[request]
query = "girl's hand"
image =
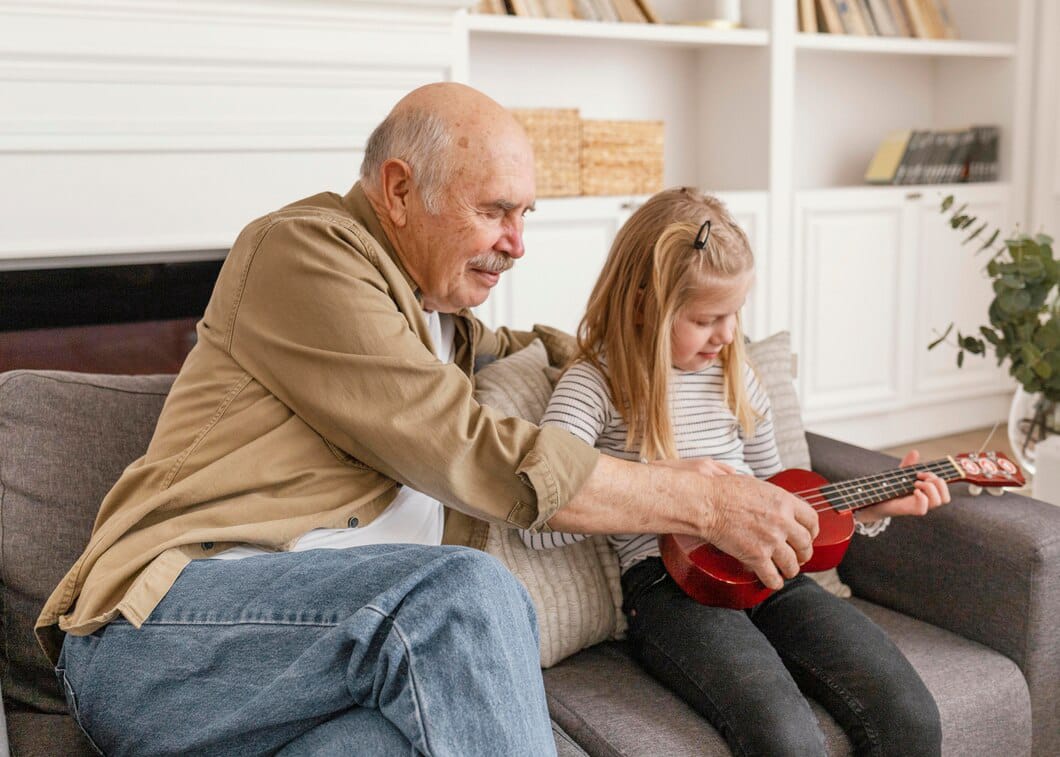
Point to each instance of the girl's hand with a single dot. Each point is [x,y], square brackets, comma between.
[704,466]
[931,492]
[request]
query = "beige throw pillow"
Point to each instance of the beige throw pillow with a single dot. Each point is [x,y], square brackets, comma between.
[774,364]
[575,589]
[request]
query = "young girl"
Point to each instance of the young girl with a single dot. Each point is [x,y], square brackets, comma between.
[661,376]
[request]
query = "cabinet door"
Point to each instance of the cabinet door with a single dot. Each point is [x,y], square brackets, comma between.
[952,287]
[853,304]
[567,241]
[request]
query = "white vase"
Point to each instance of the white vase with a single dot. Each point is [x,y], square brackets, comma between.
[1030,419]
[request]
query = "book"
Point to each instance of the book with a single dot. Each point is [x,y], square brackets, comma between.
[912,169]
[830,15]
[959,161]
[866,18]
[901,21]
[983,160]
[629,12]
[851,18]
[605,10]
[918,22]
[949,26]
[585,10]
[559,8]
[649,11]
[807,16]
[494,7]
[883,168]
[931,14]
[881,15]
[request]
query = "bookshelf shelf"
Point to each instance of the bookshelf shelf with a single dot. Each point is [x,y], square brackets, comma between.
[844,43]
[671,35]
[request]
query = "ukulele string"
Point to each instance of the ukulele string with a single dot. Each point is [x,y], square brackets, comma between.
[857,490]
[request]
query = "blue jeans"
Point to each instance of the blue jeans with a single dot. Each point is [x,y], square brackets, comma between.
[384,649]
[749,671]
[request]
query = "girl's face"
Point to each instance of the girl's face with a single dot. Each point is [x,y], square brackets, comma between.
[708,322]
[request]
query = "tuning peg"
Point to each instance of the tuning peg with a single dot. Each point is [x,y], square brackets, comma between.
[997,491]
[975,490]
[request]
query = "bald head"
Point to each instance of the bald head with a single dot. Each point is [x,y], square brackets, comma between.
[441,131]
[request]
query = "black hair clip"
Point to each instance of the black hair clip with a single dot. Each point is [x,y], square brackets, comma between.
[701,238]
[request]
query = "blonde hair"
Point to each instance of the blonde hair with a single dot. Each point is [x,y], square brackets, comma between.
[653,271]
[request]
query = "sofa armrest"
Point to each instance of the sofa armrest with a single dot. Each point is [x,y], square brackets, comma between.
[986,568]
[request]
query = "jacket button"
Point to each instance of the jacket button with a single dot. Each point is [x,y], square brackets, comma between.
[207,545]
[352,522]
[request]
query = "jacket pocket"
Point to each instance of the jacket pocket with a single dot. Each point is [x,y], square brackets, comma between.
[345,457]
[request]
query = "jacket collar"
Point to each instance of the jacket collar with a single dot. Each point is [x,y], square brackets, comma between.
[356,202]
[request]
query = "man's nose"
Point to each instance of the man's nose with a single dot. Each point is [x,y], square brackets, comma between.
[511,242]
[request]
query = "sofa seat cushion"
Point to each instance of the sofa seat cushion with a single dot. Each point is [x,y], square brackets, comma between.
[610,706]
[64,440]
[36,735]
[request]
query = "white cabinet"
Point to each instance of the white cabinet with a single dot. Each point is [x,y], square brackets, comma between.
[878,272]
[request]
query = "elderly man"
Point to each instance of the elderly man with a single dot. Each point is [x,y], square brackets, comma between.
[270,575]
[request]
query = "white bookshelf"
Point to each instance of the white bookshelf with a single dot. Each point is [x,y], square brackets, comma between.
[791,119]
[674,35]
[935,48]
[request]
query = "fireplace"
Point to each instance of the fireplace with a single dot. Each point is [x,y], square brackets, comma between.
[129,318]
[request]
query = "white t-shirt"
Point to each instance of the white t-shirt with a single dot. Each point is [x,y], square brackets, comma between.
[412,518]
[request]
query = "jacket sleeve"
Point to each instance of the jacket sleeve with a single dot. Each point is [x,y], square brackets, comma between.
[317,323]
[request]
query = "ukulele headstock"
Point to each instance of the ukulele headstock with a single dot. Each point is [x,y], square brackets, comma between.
[988,469]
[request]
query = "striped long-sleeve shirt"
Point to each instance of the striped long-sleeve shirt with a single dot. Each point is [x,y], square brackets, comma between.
[703,426]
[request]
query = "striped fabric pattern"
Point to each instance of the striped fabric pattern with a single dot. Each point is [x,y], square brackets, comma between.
[703,427]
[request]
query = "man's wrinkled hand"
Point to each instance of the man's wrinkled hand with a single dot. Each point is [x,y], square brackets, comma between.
[768,529]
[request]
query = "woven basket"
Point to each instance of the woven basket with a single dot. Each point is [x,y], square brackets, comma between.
[555,134]
[621,157]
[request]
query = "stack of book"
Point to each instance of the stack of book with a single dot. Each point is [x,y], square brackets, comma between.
[634,11]
[928,19]
[945,156]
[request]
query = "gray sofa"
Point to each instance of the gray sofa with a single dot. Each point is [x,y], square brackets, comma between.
[970,593]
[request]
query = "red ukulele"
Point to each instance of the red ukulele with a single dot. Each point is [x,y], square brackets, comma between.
[714,578]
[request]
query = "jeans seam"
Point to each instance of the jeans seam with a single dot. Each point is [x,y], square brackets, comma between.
[314,624]
[704,692]
[852,703]
[403,638]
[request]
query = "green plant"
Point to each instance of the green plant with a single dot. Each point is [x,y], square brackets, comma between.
[1024,316]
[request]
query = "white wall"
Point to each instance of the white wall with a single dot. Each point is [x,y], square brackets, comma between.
[157,125]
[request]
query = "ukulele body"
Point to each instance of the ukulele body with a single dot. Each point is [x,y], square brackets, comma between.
[714,578]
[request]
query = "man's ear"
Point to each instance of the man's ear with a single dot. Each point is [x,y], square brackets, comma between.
[396,183]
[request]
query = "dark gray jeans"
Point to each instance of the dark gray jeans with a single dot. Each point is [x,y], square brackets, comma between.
[749,671]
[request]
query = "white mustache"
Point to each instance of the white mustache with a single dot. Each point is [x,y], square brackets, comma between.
[497,263]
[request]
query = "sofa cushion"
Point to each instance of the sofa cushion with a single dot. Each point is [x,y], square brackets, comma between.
[575,590]
[610,706]
[64,440]
[36,735]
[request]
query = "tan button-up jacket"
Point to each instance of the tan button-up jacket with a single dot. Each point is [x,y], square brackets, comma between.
[312,393]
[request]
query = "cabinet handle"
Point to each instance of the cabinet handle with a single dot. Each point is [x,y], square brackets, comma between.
[913,195]
[630,205]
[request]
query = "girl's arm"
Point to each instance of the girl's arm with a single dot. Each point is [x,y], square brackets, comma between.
[580,405]
[760,450]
